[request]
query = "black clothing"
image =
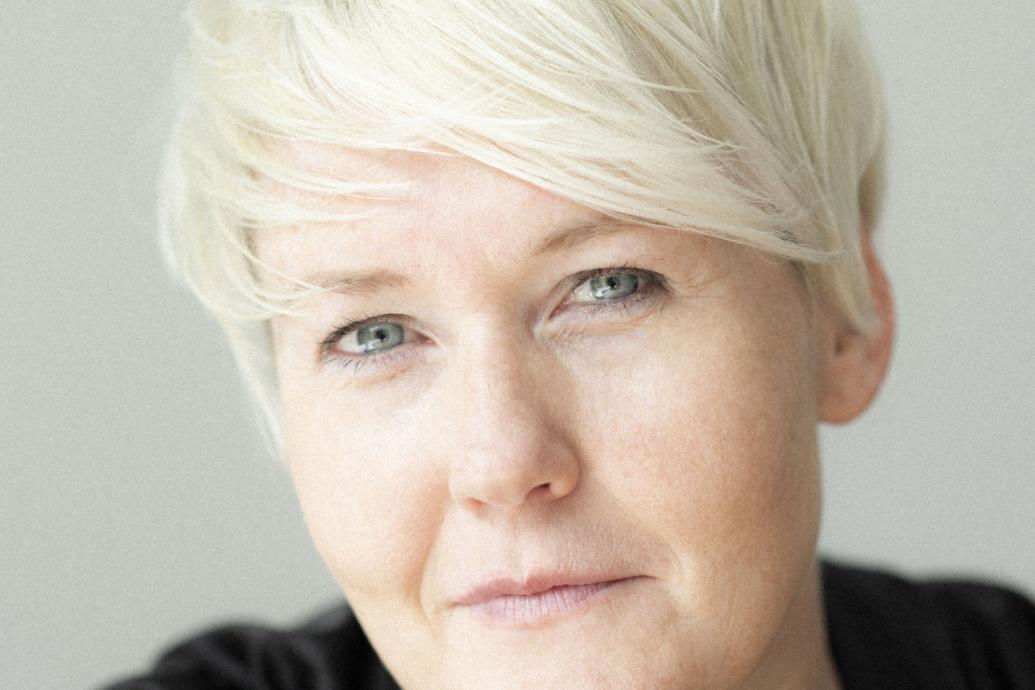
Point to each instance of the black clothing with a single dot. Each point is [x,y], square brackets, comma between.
[884,632]
[888,632]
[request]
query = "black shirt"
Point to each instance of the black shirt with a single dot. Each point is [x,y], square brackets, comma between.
[884,632]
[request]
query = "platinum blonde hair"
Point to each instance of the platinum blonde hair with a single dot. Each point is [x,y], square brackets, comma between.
[756,121]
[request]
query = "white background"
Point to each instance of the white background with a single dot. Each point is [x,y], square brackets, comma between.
[136,505]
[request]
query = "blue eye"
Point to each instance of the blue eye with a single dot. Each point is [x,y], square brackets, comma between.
[367,338]
[609,286]
[378,339]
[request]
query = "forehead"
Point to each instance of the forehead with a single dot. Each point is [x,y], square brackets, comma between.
[439,203]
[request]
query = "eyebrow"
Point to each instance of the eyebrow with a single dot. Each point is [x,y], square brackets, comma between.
[363,283]
[358,283]
[570,236]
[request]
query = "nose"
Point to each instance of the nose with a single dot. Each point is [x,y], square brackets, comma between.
[513,450]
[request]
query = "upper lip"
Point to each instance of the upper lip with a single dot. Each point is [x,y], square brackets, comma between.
[537,583]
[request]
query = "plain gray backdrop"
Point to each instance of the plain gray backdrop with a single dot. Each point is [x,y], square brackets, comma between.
[137,505]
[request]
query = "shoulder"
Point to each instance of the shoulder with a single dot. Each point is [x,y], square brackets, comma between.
[329,652]
[888,631]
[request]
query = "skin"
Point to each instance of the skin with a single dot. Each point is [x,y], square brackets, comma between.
[522,427]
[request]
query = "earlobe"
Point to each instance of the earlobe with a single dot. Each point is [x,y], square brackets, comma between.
[855,363]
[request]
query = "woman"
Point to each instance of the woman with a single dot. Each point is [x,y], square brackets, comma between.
[543,303]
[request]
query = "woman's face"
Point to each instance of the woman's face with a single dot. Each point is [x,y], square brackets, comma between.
[552,452]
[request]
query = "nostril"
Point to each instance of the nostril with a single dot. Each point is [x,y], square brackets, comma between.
[507,471]
[474,505]
[545,490]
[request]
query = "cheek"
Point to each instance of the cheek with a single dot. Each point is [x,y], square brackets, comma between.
[369,495]
[715,451]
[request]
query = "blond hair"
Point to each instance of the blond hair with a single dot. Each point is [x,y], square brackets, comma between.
[756,121]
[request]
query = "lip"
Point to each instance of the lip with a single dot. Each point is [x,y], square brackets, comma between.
[537,599]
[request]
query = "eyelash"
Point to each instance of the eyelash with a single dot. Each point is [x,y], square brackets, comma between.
[650,283]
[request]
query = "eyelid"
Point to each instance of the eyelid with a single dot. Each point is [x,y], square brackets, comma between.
[654,282]
[582,276]
[651,278]
[650,285]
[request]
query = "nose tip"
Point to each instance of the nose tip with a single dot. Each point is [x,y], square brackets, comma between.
[495,482]
[513,451]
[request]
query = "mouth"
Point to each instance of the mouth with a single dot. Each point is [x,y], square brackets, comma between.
[538,600]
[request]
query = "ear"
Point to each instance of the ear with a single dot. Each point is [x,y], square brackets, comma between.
[854,364]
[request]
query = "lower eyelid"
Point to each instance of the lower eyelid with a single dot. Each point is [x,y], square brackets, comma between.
[346,360]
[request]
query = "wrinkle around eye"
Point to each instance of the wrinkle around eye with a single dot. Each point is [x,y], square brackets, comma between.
[577,317]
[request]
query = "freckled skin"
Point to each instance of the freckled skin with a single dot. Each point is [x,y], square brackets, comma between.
[674,441]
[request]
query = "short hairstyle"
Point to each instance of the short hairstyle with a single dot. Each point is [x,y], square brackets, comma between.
[756,121]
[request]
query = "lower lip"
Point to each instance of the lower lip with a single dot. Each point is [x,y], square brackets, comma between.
[517,610]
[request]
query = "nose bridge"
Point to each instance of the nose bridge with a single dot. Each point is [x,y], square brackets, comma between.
[512,450]
[500,376]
